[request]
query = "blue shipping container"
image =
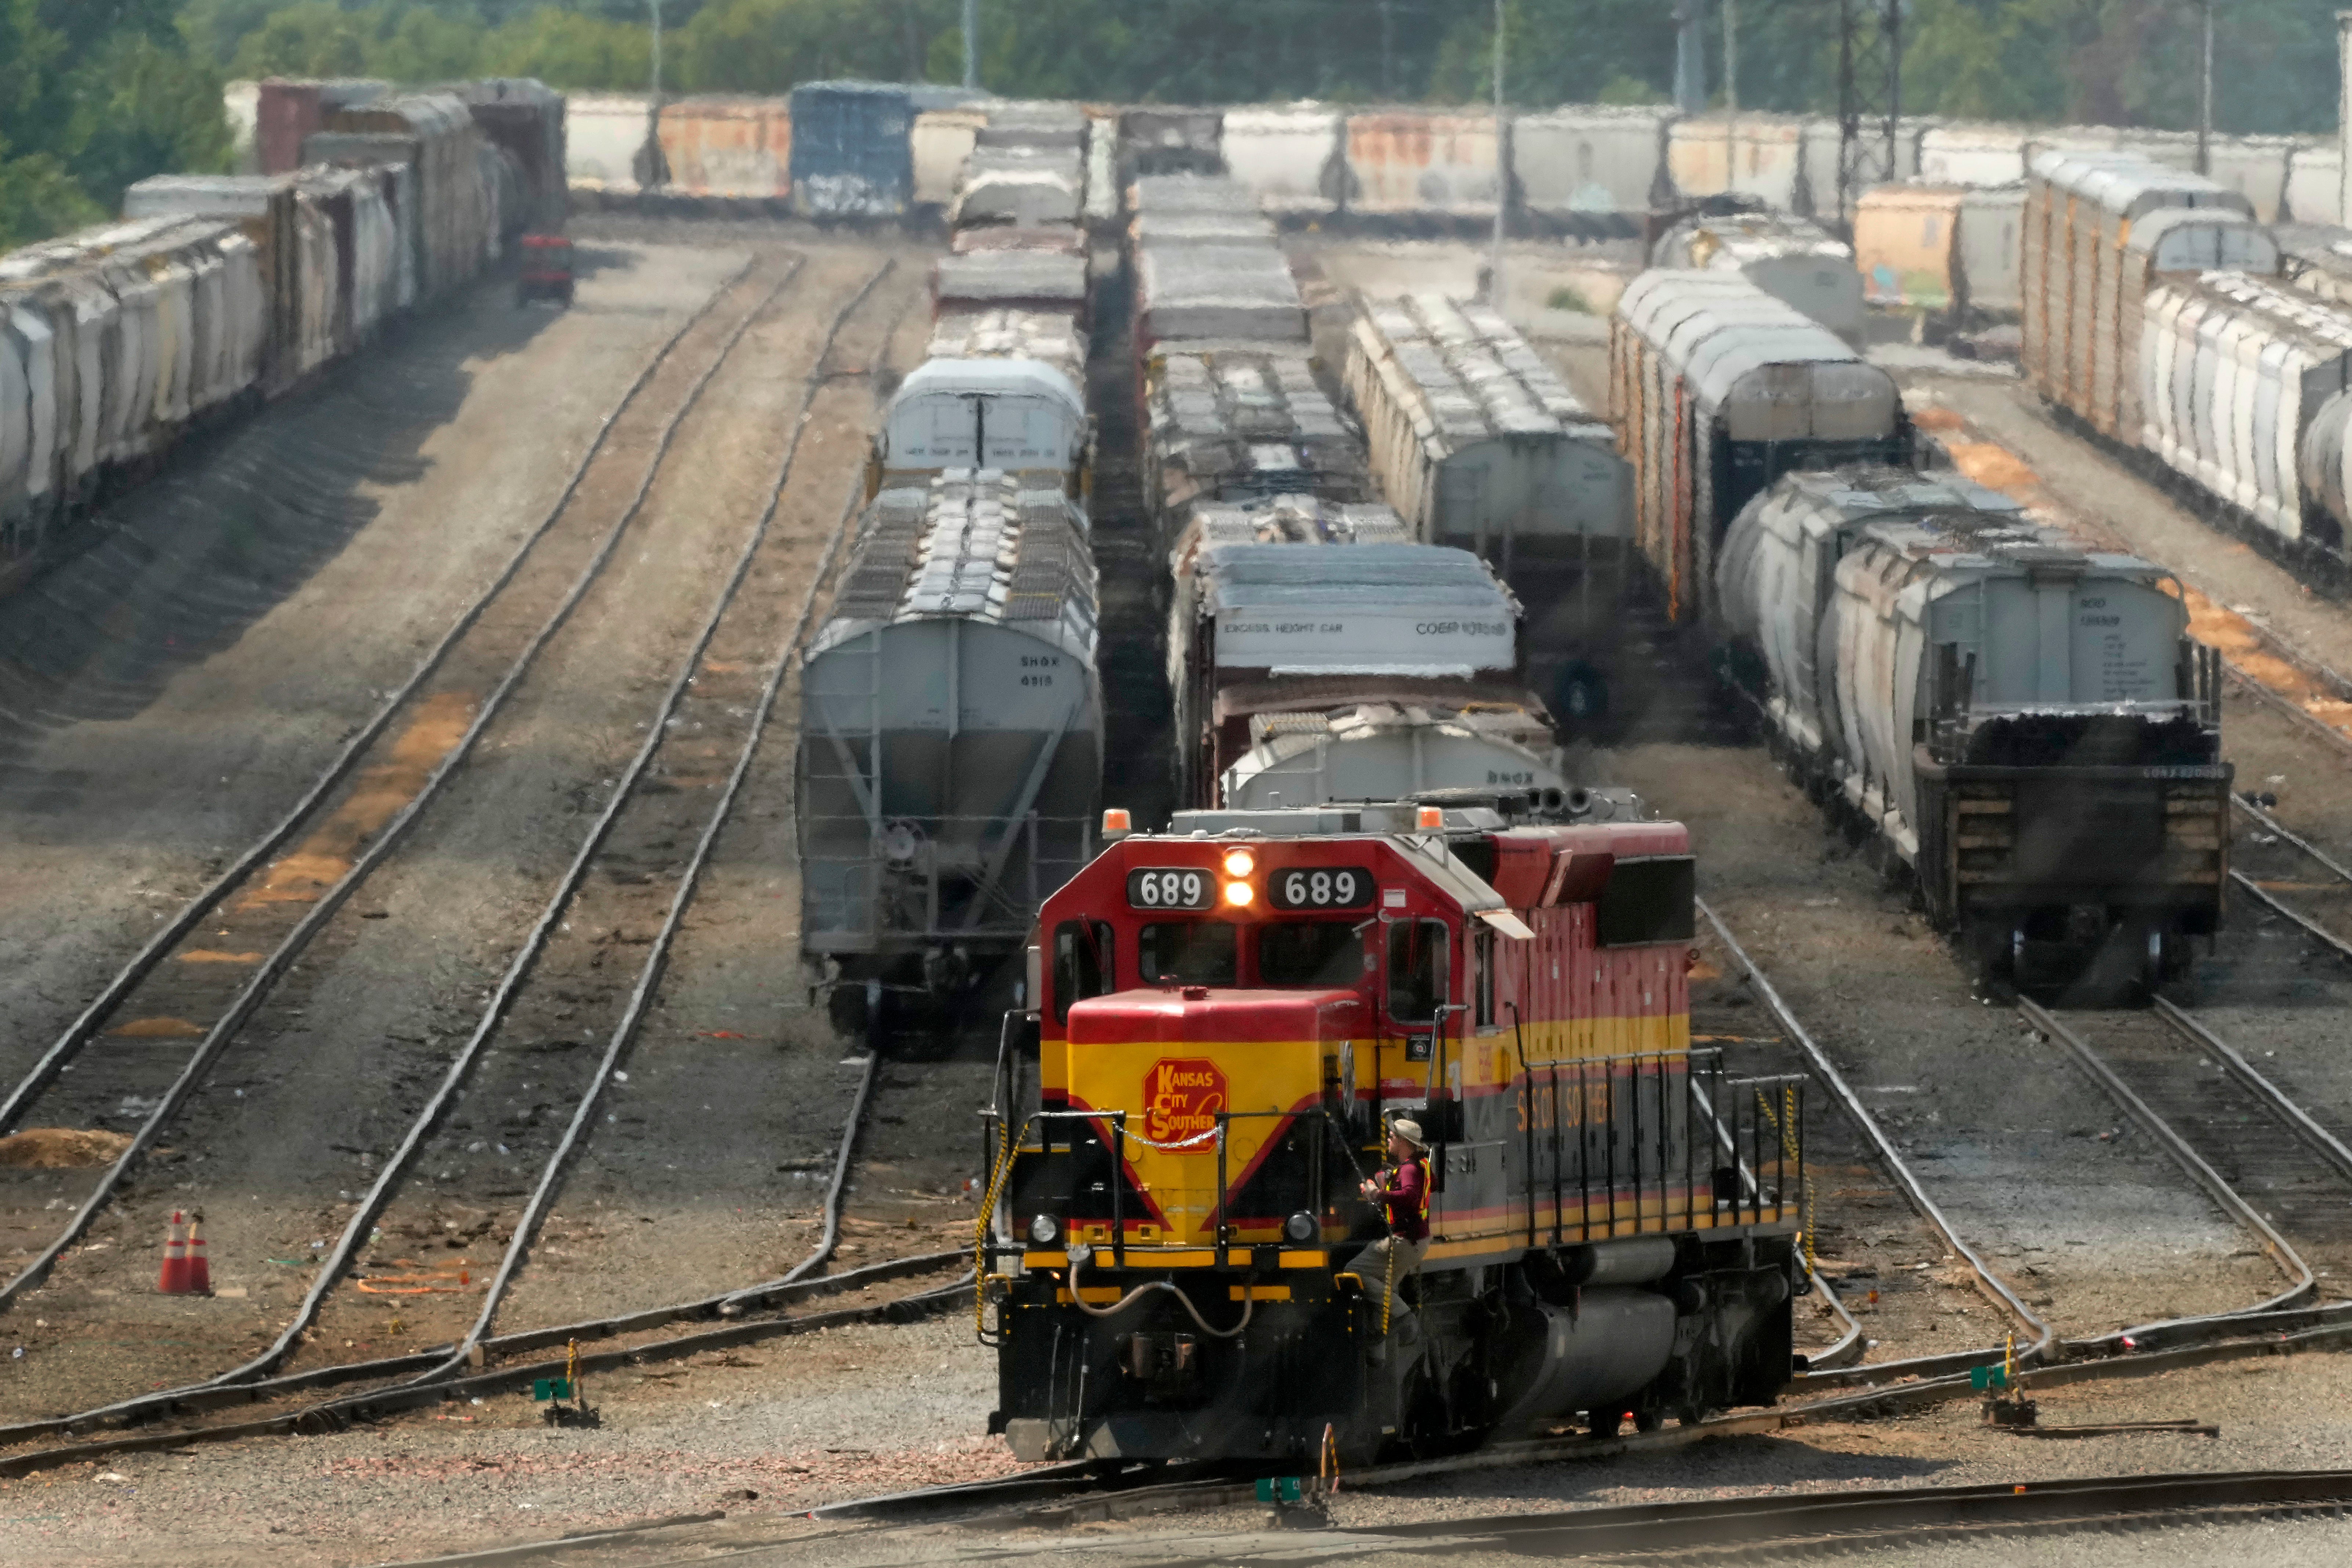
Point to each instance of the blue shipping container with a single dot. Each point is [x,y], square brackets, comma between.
[851,153]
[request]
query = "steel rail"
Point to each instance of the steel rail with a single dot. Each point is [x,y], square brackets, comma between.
[143,963]
[2311,928]
[1881,1513]
[201,1397]
[2284,831]
[730,1304]
[649,973]
[379,1194]
[335,1416]
[1914,1192]
[2317,1139]
[2301,1286]
[266,976]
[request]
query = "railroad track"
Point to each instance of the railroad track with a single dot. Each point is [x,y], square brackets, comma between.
[653,815]
[212,966]
[701,720]
[2261,1156]
[2290,876]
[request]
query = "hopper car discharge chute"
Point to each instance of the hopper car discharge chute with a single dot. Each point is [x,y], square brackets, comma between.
[1228,1015]
[2023,723]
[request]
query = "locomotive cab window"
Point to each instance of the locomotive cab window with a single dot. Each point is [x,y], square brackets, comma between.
[1309,953]
[1082,964]
[1482,970]
[1416,970]
[1188,952]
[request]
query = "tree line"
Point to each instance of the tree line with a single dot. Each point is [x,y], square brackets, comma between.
[96,93]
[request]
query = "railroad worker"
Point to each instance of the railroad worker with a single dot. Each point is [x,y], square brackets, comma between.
[1402,1189]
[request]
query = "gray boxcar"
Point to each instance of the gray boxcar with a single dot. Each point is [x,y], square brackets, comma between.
[2024,724]
[950,756]
[1475,442]
[1717,389]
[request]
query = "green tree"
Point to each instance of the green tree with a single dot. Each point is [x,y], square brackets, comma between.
[139,108]
[766,46]
[572,52]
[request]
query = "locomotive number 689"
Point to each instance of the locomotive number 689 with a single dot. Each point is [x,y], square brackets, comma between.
[1322,887]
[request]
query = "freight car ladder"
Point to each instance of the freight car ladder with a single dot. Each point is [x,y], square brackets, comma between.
[851,707]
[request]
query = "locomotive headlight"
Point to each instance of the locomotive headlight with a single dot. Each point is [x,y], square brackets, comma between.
[1300,1227]
[1239,894]
[1045,1230]
[1240,863]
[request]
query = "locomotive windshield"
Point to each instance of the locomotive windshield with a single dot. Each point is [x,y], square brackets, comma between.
[1188,952]
[1309,953]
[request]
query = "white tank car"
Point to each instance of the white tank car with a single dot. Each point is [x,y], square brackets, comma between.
[2024,722]
[1316,654]
[950,754]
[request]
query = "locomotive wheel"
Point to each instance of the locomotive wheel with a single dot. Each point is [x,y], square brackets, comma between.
[1648,1417]
[1603,1424]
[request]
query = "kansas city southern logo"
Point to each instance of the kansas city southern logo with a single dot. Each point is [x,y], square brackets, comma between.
[1181,1097]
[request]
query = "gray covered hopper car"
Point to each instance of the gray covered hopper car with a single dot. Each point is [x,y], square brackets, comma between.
[1717,389]
[950,758]
[1788,257]
[2023,723]
[1475,440]
[1316,654]
[1240,425]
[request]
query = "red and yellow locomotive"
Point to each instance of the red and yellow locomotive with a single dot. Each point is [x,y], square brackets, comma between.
[1228,1017]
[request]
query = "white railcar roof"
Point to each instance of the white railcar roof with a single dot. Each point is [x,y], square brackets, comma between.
[1738,239]
[1386,577]
[1717,327]
[2130,184]
[994,375]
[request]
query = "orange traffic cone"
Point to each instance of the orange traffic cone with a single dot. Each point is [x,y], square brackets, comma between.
[200,1271]
[174,1280]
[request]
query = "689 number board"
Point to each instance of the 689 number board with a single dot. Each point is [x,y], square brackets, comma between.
[1169,888]
[1320,887]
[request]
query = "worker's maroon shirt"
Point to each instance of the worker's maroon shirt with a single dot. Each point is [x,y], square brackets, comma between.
[1404,1192]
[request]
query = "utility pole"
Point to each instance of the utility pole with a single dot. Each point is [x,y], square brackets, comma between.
[2205,97]
[1690,58]
[657,170]
[1731,94]
[1502,173]
[1870,98]
[971,45]
[1388,51]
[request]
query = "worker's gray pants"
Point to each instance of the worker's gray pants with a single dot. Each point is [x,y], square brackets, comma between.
[1384,1267]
